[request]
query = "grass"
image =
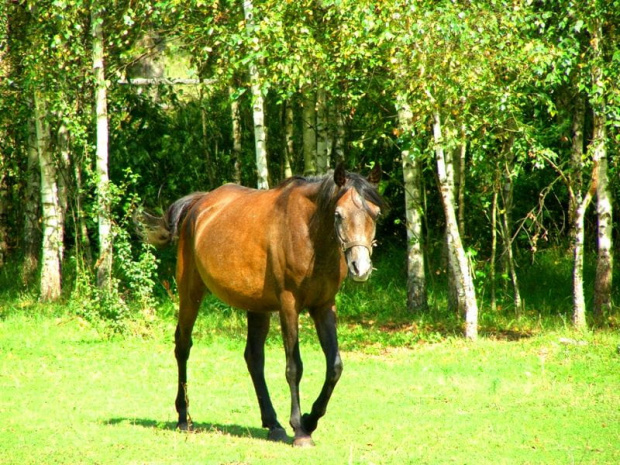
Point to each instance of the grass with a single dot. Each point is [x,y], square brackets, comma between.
[70,395]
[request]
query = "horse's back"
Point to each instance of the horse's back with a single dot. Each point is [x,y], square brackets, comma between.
[241,244]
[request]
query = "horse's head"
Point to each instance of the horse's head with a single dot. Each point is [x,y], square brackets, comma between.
[357,207]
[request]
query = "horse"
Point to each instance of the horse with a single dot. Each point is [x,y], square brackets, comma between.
[285,250]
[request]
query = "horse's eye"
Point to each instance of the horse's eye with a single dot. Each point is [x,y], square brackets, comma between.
[338,215]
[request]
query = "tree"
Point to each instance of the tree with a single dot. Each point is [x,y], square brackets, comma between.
[104,263]
[258,105]
[53,228]
[414,207]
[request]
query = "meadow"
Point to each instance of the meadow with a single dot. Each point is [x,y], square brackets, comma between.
[73,395]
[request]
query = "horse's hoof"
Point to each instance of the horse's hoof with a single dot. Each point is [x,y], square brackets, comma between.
[185,426]
[277,435]
[303,441]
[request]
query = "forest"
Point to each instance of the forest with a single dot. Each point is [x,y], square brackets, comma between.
[496,124]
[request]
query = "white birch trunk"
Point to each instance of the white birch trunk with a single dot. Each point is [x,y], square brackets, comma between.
[579,303]
[309,133]
[604,262]
[576,159]
[412,171]
[104,262]
[258,104]
[604,211]
[460,179]
[289,131]
[32,200]
[51,258]
[235,114]
[459,263]
[339,138]
[492,274]
[322,139]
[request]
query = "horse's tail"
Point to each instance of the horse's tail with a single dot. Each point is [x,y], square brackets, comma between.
[162,230]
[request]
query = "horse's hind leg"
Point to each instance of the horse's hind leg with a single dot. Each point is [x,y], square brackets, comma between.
[191,293]
[258,328]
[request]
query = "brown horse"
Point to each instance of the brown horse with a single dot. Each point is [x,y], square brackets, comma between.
[285,249]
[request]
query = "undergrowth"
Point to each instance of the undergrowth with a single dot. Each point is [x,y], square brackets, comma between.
[372,315]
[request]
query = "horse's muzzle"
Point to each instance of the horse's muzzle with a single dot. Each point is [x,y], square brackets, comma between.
[359,263]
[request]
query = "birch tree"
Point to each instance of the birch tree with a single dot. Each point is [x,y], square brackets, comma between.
[104,262]
[258,103]
[604,263]
[51,254]
[412,175]
[459,264]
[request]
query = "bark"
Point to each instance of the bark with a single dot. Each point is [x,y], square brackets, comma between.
[460,178]
[289,131]
[4,199]
[258,106]
[51,257]
[506,221]
[579,304]
[322,139]
[492,274]
[458,259]
[604,262]
[309,133]
[576,160]
[340,135]
[235,111]
[412,173]
[32,201]
[104,262]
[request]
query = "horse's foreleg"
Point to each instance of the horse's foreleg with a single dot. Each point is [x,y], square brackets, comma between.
[258,328]
[294,371]
[325,323]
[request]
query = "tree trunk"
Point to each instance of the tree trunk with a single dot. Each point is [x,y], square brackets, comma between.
[460,178]
[458,259]
[4,199]
[412,173]
[235,111]
[51,257]
[258,106]
[32,201]
[340,135]
[289,131]
[492,268]
[604,262]
[309,133]
[576,160]
[322,139]
[104,263]
[506,221]
[579,304]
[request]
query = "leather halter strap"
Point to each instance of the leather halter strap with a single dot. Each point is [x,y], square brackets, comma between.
[347,245]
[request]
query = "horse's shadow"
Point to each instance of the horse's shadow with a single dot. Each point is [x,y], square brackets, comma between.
[198,428]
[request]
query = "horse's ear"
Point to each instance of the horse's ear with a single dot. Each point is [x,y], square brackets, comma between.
[340,175]
[375,174]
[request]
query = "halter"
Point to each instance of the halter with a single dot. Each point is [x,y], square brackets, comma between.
[346,245]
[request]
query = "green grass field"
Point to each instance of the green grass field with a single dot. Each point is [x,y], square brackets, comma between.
[70,396]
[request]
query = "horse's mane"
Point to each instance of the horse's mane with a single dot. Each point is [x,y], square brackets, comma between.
[328,192]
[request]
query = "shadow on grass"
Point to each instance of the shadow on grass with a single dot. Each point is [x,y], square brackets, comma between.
[199,428]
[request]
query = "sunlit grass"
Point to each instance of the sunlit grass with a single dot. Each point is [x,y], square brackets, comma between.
[70,395]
